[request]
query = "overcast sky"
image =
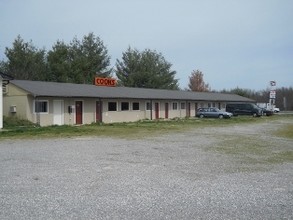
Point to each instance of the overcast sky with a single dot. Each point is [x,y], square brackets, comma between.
[235,43]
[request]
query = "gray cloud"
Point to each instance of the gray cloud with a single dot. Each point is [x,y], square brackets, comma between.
[234,43]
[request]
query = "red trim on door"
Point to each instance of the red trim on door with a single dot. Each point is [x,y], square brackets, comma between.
[78,112]
[98,111]
[157,110]
[166,110]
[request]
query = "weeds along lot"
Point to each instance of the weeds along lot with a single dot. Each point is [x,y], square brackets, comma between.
[178,169]
[25,130]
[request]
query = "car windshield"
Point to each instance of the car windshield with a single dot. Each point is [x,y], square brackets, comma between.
[255,106]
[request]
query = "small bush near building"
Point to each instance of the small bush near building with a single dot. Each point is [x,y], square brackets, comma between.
[12,122]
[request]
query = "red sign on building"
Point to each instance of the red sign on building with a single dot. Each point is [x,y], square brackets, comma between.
[99,81]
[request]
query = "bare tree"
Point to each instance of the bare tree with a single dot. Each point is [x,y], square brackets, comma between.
[196,82]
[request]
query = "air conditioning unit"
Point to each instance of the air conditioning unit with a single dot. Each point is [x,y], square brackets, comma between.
[13,109]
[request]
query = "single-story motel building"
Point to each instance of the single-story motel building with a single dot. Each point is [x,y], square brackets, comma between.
[52,103]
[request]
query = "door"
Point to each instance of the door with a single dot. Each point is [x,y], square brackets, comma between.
[78,112]
[98,111]
[166,110]
[157,110]
[58,116]
[188,109]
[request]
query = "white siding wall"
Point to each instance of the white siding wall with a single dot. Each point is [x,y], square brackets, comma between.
[25,109]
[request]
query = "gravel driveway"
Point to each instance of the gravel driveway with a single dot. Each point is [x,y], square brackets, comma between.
[175,176]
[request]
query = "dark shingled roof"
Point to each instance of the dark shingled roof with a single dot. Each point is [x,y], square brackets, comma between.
[6,76]
[54,89]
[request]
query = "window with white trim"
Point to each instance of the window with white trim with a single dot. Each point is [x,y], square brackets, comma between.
[148,106]
[135,106]
[41,106]
[124,106]
[174,106]
[112,106]
[182,105]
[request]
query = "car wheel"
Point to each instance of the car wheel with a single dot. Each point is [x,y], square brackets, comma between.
[201,116]
[254,114]
[221,116]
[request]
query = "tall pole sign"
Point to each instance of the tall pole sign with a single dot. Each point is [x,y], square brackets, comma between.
[272,94]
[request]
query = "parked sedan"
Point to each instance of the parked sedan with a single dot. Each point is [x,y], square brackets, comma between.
[212,113]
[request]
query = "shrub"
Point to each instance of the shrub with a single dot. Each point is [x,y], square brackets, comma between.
[10,122]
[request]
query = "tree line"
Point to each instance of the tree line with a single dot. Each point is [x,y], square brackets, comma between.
[284,96]
[79,61]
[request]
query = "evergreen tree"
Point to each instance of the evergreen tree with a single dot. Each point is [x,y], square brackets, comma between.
[25,61]
[89,59]
[59,63]
[146,69]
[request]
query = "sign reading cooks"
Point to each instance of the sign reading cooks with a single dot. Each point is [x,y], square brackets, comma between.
[105,81]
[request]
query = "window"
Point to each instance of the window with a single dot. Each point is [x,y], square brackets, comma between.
[148,106]
[182,105]
[135,106]
[124,106]
[209,105]
[41,106]
[174,105]
[112,106]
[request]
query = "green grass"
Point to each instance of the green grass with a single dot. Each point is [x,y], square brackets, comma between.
[20,129]
[252,153]
[286,131]
[255,151]
[14,122]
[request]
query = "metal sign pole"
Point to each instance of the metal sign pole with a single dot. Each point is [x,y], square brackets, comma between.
[272,94]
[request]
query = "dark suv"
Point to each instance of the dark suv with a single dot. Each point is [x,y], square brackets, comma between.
[244,109]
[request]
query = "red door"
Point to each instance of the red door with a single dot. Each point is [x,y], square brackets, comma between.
[98,111]
[166,110]
[157,110]
[78,112]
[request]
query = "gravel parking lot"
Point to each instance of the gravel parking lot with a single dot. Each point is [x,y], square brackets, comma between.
[174,176]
